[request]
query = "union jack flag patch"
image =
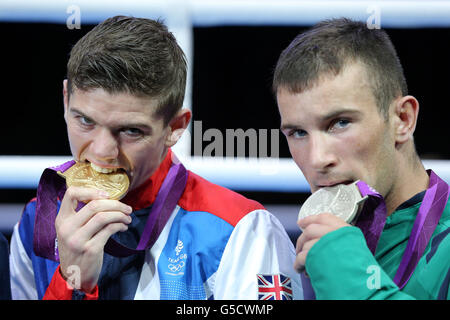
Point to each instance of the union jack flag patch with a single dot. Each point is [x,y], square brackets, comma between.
[274,287]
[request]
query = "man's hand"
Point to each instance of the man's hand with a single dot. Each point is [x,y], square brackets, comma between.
[82,235]
[314,227]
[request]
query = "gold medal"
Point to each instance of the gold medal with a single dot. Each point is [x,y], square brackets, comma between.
[81,174]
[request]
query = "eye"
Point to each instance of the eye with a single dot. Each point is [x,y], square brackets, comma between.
[339,124]
[85,121]
[132,132]
[297,133]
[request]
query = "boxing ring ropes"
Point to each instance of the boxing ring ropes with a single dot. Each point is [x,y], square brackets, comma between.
[262,174]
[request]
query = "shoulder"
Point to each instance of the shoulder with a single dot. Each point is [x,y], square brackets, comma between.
[27,218]
[445,218]
[30,207]
[439,245]
[440,241]
[26,225]
[202,195]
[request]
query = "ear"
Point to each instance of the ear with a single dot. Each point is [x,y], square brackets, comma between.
[177,126]
[406,111]
[65,97]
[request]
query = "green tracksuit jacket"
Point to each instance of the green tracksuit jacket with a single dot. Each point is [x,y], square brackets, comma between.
[341,266]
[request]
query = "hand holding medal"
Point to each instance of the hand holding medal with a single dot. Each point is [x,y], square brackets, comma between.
[83,230]
[326,210]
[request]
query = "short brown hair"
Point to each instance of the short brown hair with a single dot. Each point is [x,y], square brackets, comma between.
[133,55]
[329,46]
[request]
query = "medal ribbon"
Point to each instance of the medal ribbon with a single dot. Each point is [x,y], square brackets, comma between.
[373,216]
[372,219]
[165,202]
[52,186]
[428,217]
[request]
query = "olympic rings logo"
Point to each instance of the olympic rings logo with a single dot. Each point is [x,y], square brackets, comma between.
[177,267]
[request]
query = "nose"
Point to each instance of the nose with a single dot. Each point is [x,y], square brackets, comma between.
[105,146]
[321,153]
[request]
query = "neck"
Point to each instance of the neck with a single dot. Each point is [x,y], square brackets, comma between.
[412,178]
[145,194]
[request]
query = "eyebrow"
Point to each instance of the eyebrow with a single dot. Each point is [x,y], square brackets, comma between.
[138,125]
[337,113]
[324,118]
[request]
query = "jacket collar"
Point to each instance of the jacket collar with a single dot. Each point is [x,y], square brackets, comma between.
[144,195]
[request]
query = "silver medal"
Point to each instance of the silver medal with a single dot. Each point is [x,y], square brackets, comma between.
[343,201]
